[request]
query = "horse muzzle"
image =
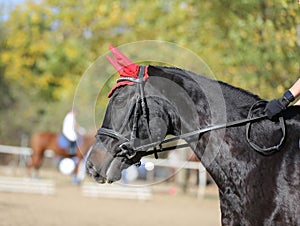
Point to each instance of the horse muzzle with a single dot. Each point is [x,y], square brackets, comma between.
[98,161]
[94,173]
[103,166]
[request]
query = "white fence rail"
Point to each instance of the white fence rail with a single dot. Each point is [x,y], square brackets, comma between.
[24,185]
[184,165]
[5,149]
[89,190]
[23,153]
[116,191]
[27,185]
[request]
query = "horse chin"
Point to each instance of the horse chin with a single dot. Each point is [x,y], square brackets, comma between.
[105,169]
[115,170]
[99,179]
[103,166]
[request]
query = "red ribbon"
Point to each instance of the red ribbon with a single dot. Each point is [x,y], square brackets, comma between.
[125,68]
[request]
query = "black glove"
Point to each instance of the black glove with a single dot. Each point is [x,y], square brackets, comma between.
[274,107]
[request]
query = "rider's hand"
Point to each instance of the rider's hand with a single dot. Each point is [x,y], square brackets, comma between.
[276,106]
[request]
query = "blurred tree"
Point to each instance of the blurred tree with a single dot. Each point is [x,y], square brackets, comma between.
[259,47]
[6,98]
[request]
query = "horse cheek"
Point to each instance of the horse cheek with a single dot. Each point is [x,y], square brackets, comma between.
[158,128]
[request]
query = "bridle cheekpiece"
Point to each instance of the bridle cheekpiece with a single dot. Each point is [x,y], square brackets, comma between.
[130,74]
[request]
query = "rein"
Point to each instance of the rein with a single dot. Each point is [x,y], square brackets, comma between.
[250,119]
[133,154]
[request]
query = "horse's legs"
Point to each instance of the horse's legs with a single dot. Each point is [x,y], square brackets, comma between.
[79,172]
[35,163]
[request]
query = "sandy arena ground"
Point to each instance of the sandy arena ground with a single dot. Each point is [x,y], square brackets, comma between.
[68,207]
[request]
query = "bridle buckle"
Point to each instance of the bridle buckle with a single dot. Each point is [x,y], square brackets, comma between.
[126,151]
[129,153]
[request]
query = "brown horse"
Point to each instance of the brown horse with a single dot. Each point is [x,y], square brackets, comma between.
[40,142]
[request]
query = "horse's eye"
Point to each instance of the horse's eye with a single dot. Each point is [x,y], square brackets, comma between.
[120,102]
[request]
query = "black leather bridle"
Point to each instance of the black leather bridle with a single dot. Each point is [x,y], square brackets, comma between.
[132,154]
[127,147]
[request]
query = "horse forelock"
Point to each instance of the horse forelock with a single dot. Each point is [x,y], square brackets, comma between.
[124,83]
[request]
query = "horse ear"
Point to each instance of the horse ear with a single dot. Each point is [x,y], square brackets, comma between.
[124,66]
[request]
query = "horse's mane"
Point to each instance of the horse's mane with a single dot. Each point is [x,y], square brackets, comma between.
[171,71]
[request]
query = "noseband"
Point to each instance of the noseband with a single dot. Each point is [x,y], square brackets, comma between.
[132,154]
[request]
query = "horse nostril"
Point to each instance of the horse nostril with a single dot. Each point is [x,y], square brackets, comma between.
[91,168]
[89,165]
[93,172]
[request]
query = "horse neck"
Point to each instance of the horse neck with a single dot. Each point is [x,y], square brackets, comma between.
[201,101]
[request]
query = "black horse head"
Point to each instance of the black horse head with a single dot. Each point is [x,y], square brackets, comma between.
[137,115]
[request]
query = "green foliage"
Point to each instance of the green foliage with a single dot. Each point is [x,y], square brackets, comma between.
[47,45]
[263,45]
